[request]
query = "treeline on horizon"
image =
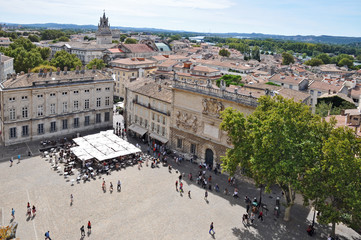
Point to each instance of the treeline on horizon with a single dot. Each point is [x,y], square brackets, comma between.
[279,46]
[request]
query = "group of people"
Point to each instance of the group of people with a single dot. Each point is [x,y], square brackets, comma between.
[82,230]
[30,211]
[12,160]
[104,188]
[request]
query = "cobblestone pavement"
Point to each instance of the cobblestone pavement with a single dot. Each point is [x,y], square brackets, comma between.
[148,207]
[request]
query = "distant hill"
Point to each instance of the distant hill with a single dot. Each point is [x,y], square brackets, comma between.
[298,38]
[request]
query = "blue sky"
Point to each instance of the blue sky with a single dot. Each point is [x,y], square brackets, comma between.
[286,17]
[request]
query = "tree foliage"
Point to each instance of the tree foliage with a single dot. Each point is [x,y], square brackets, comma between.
[287,58]
[34,38]
[64,59]
[99,63]
[230,80]
[51,34]
[42,66]
[314,62]
[224,52]
[130,41]
[282,143]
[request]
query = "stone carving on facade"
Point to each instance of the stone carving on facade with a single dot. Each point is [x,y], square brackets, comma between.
[212,107]
[186,121]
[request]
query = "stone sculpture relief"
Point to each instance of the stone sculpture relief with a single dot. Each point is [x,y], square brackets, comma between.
[186,121]
[212,106]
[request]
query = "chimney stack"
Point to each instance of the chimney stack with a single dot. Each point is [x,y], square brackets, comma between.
[82,69]
[94,67]
[50,71]
[45,72]
[77,70]
[57,70]
[29,71]
[40,72]
[65,70]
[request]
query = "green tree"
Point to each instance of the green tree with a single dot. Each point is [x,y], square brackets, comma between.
[323,109]
[25,60]
[326,59]
[34,38]
[345,62]
[230,80]
[333,182]
[123,37]
[42,66]
[304,55]
[314,62]
[63,39]
[45,52]
[99,63]
[287,58]
[255,53]
[224,52]
[358,58]
[64,59]
[130,41]
[51,34]
[271,144]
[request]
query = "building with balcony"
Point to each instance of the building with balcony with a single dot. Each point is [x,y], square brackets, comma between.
[38,106]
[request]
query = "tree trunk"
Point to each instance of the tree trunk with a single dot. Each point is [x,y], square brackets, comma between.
[287,216]
[333,234]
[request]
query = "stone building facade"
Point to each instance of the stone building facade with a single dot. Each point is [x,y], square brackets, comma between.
[51,104]
[195,119]
[6,67]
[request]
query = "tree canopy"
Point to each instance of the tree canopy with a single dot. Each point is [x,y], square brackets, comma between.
[224,52]
[64,59]
[130,41]
[282,143]
[99,63]
[230,80]
[287,58]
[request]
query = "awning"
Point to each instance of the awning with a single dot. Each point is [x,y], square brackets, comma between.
[159,138]
[138,129]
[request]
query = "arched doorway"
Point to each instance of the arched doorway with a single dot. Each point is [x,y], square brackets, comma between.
[209,157]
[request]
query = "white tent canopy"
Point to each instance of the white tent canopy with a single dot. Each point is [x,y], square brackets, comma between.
[102,146]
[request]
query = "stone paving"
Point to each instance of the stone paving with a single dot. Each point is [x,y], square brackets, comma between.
[148,207]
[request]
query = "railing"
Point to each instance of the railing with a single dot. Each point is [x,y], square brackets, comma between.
[235,97]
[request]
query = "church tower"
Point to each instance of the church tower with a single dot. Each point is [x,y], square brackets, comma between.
[104,34]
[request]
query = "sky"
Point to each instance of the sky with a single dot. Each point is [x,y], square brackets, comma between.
[284,17]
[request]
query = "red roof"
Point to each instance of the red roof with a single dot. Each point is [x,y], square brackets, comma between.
[138,48]
[115,50]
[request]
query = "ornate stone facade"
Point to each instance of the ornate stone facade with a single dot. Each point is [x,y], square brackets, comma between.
[104,34]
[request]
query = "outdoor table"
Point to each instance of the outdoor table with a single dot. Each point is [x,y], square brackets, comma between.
[90,169]
[255,204]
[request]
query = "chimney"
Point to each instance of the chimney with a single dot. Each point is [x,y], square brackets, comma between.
[45,72]
[159,88]
[29,71]
[40,72]
[82,69]
[22,73]
[57,70]
[94,67]
[77,70]
[329,91]
[50,71]
[65,70]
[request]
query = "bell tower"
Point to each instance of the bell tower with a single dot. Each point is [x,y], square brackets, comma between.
[104,34]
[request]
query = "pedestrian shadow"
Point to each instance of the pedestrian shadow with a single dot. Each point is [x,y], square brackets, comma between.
[88,233]
[213,235]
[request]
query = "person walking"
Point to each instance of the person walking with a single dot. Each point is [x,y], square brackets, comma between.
[11,161]
[71,199]
[34,211]
[47,236]
[211,229]
[82,231]
[13,213]
[89,227]
[176,185]
[205,195]
[189,193]
[111,187]
[119,186]
[252,217]
[260,215]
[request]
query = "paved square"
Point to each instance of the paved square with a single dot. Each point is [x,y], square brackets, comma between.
[148,207]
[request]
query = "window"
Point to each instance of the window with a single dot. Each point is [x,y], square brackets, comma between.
[107,101]
[163,131]
[25,131]
[24,98]
[86,90]
[65,107]
[86,104]
[98,102]
[13,132]
[25,112]
[311,101]
[76,105]
[145,123]
[179,143]
[140,121]
[98,89]
[136,119]
[12,114]
[65,123]
[318,93]
[291,86]
[40,96]
[152,126]
[76,122]
[12,99]
[108,89]
[53,127]
[193,148]
[153,116]
[52,108]
[311,92]
[98,118]
[40,110]
[64,93]
[163,120]
[158,128]
[76,92]
[87,121]
[40,128]
[52,94]
[158,118]
[106,117]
